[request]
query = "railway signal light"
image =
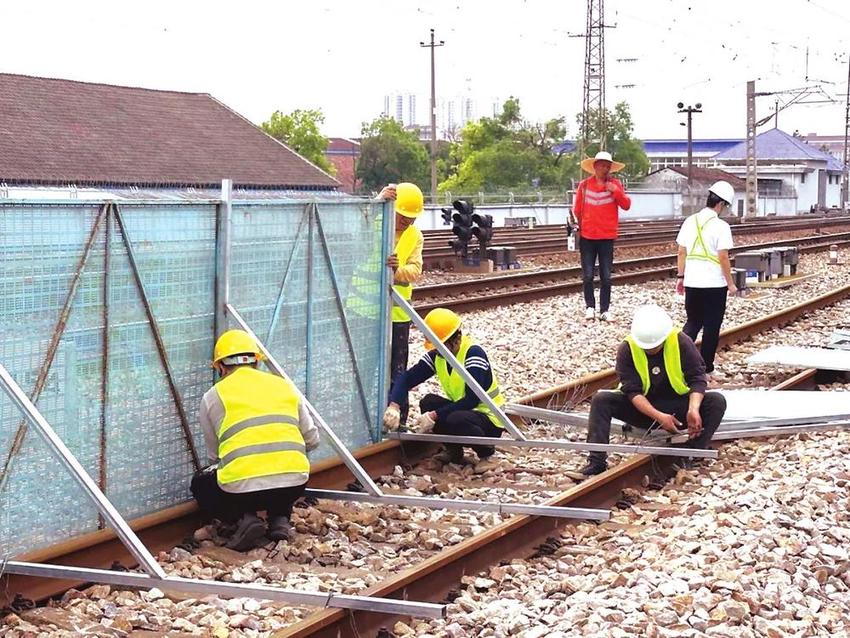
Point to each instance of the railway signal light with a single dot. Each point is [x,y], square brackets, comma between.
[461,226]
[447,216]
[484,231]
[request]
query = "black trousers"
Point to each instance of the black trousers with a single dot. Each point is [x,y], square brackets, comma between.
[705,308]
[608,404]
[461,423]
[229,507]
[398,359]
[593,250]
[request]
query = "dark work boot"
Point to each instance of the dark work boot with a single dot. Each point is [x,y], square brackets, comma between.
[280,528]
[595,465]
[250,530]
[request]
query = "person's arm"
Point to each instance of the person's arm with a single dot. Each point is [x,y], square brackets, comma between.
[308,429]
[412,377]
[632,387]
[412,270]
[693,365]
[209,428]
[681,257]
[578,204]
[388,193]
[724,244]
[616,188]
[478,366]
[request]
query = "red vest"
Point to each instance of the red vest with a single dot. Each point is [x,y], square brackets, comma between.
[596,209]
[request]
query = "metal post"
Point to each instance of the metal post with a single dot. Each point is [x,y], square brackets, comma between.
[157,336]
[433,45]
[690,150]
[78,472]
[386,310]
[278,306]
[308,367]
[480,392]
[223,251]
[752,172]
[198,587]
[104,372]
[845,173]
[344,453]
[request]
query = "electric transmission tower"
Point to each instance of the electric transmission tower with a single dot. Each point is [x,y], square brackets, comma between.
[593,104]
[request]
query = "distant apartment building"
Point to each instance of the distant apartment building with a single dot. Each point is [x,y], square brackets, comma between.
[453,113]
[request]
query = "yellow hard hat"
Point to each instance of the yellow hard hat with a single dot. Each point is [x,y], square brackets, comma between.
[235,342]
[408,200]
[443,322]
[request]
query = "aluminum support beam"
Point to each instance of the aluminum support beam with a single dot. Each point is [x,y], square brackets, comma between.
[555,445]
[749,424]
[496,507]
[782,430]
[223,251]
[344,453]
[199,587]
[112,517]
[552,416]
[480,392]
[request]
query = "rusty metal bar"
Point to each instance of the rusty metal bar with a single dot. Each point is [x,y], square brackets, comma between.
[53,346]
[157,335]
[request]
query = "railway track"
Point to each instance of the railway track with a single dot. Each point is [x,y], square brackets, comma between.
[431,579]
[487,292]
[545,240]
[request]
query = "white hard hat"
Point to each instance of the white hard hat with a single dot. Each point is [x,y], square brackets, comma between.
[724,191]
[650,326]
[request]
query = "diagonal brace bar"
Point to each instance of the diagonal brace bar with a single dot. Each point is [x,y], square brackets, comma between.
[346,456]
[157,335]
[448,356]
[200,587]
[555,445]
[278,306]
[69,461]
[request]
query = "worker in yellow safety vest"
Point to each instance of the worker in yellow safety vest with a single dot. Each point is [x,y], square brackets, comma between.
[406,262]
[662,384]
[460,412]
[257,432]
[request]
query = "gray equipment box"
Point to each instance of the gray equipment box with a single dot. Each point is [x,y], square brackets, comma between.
[790,258]
[757,261]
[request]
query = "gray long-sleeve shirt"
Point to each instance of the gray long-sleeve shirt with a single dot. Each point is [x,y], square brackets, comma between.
[659,385]
[211,415]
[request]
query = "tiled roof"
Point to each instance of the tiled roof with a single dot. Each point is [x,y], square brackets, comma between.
[775,144]
[61,131]
[711,175]
[343,145]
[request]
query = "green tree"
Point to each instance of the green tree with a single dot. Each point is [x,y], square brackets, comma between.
[300,131]
[619,140]
[390,154]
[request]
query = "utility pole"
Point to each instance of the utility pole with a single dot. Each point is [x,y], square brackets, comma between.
[846,168]
[593,101]
[690,110]
[752,180]
[433,45]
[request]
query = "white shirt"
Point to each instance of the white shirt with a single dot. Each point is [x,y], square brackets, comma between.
[717,236]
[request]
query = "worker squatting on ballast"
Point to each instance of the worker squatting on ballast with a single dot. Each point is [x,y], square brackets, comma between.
[460,412]
[257,433]
[662,384]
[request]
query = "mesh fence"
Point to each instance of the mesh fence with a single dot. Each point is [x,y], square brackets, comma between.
[106,392]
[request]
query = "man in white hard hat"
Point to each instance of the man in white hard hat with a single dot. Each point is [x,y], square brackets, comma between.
[598,201]
[705,272]
[662,384]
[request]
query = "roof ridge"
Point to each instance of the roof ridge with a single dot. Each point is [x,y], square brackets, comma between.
[106,84]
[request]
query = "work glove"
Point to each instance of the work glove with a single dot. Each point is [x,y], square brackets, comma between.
[425,423]
[392,417]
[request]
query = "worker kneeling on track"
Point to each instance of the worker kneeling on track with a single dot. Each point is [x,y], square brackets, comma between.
[258,433]
[662,384]
[460,412]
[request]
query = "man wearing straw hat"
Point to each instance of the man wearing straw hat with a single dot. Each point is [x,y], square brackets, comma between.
[597,203]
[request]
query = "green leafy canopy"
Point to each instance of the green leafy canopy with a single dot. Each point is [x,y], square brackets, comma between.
[300,131]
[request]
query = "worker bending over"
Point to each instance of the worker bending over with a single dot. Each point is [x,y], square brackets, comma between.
[662,383]
[258,433]
[460,412]
[406,262]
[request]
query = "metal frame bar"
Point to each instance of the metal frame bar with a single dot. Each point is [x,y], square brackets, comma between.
[157,335]
[230,590]
[70,462]
[343,452]
[278,306]
[496,507]
[308,367]
[386,311]
[742,424]
[346,329]
[554,445]
[578,419]
[52,347]
[777,431]
[452,360]
[223,252]
[104,372]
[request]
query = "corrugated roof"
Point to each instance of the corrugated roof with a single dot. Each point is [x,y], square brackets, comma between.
[709,145]
[775,144]
[712,175]
[61,131]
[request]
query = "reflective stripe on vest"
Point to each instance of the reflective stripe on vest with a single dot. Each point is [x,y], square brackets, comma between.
[672,363]
[699,250]
[259,435]
[455,387]
[403,250]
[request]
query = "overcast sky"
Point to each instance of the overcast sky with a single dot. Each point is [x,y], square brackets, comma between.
[344,56]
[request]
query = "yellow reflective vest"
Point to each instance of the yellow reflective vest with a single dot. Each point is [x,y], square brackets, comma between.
[672,363]
[699,250]
[259,435]
[403,250]
[455,387]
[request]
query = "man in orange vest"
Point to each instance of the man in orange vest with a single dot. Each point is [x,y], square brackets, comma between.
[406,262]
[598,201]
[258,434]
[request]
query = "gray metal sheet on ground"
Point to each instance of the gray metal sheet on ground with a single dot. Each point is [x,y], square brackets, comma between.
[800,357]
[783,404]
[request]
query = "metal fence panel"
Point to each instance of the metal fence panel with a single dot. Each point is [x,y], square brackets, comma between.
[134,442]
